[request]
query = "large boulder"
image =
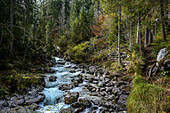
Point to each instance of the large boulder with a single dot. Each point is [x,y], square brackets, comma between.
[70,98]
[52,78]
[162,53]
[65,86]
[166,66]
[67,110]
[84,101]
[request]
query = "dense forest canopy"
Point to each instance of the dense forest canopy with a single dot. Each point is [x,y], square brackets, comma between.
[30,26]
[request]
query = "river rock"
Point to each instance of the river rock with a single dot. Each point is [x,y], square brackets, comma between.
[20,109]
[33,106]
[76,105]
[61,62]
[96,102]
[166,65]
[103,93]
[52,78]
[95,82]
[84,101]
[33,99]
[74,66]
[100,84]
[115,90]
[92,69]
[110,84]
[3,103]
[93,110]
[107,80]
[78,110]
[67,110]
[123,100]
[70,98]
[72,71]
[108,89]
[107,104]
[65,86]
[5,110]
[83,71]
[67,65]
[78,78]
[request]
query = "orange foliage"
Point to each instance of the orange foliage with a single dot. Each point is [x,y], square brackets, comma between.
[97,29]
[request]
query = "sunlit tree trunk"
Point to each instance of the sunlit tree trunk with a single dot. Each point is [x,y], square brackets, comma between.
[119,35]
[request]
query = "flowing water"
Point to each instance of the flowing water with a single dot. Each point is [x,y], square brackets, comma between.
[54,98]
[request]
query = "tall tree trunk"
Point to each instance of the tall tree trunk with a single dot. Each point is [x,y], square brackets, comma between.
[130,39]
[162,20]
[98,7]
[146,36]
[150,36]
[0,36]
[139,40]
[11,23]
[119,35]
[155,33]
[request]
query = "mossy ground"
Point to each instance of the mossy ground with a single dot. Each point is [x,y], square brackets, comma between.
[150,96]
[12,81]
[147,98]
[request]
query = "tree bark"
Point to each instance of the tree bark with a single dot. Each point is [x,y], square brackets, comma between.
[119,35]
[150,36]
[139,34]
[11,23]
[0,35]
[130,39]
[146,36]
[162,20]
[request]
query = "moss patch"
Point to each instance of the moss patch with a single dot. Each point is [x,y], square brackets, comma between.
[146,98]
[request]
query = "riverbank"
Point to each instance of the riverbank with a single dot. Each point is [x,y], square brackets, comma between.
[21,90]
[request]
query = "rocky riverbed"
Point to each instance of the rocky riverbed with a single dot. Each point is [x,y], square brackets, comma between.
[70,88]
[83,89]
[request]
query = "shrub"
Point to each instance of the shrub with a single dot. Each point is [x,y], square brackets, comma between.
[80,52]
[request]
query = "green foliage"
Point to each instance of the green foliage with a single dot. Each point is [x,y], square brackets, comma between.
[139,68]
[138,80]
[80,52]
[146,98]
[159,44]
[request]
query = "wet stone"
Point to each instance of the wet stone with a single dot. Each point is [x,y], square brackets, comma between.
[70,98]
[84,101]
